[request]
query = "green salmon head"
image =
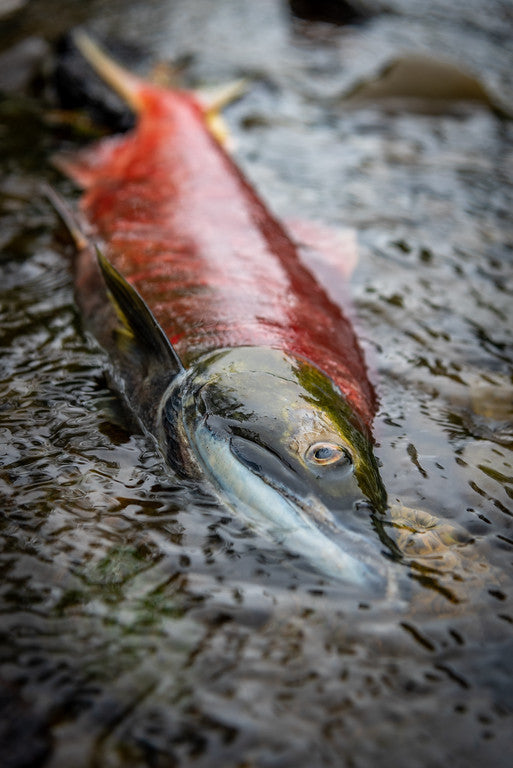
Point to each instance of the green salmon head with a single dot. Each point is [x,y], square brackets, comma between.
[283,448]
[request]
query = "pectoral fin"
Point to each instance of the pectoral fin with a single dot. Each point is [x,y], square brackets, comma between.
[138,328]
[144,362]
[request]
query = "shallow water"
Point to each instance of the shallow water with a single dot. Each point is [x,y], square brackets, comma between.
[141,624]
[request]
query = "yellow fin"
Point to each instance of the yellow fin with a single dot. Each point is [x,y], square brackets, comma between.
[214,100]
[120,80]
[218,128]
[217,98]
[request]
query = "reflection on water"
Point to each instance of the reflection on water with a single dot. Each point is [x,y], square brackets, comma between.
[141,624]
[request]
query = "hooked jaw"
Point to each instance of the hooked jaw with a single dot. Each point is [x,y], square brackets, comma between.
[292,463]
[300,523]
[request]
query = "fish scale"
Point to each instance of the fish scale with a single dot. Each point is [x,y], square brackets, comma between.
[185,228]
[222,342]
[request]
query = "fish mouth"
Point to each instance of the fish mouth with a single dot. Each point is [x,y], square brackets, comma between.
[345,553]
[278,508]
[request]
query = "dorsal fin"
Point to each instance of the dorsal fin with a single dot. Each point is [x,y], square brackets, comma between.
[139,326]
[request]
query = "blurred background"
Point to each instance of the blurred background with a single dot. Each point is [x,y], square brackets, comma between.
[141,625]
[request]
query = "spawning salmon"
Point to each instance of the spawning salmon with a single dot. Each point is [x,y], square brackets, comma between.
[222,341]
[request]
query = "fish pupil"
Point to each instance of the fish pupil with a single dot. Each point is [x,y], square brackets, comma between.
[324,453]
[327,453]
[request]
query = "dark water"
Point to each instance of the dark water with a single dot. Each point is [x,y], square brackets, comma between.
[140,624]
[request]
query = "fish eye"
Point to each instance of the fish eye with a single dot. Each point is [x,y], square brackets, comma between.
[324,454]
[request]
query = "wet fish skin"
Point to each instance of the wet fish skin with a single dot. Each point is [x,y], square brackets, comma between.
[244,369]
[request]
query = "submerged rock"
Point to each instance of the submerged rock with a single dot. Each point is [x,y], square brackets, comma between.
[418,83]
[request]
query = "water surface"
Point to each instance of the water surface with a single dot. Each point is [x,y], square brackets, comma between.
[141,624]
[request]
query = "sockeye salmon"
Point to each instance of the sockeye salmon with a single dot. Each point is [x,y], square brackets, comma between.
[243,369]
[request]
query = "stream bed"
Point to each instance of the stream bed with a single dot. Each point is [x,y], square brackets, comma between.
[141,624]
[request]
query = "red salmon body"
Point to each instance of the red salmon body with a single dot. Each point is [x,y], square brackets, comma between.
[221,341]
[181,223]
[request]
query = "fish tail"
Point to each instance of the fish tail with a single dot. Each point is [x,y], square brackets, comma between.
[126,84]
[83,166]
[132,88]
